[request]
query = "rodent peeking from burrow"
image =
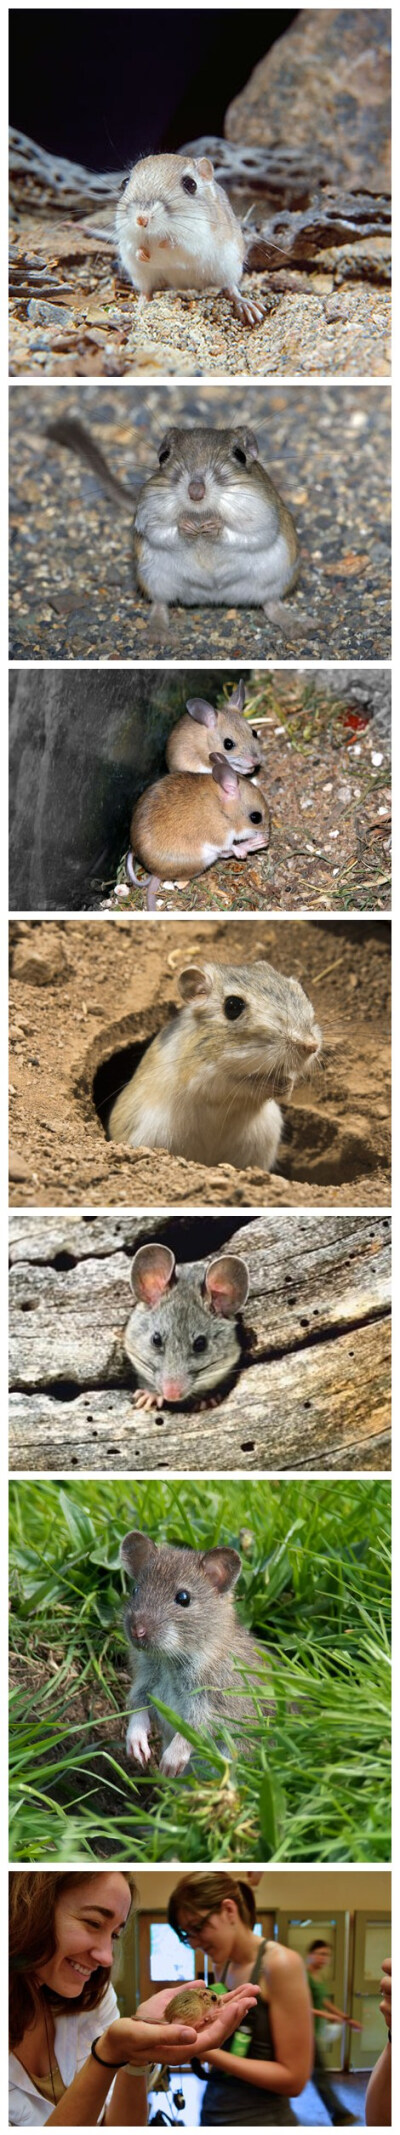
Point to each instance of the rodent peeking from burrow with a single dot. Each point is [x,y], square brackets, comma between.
[187,1647]
[209,527]
[182,1336]
[176,229]
[203,1088]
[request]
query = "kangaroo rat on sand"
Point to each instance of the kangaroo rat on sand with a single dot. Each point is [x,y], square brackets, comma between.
[184,823]
[203,1088]
[176,230]
[181,1624]
[181,1336]
[209,527]
[202,731]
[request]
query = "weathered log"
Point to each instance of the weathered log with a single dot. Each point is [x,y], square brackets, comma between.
[331,219]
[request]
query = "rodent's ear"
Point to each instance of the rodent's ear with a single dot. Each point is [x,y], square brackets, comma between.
[250,443]
[135,1551]
[226,1284]
[202,712]
[194,984]
[205,166]
[152,1272]
[222,1568]
[223,773]
[238,697]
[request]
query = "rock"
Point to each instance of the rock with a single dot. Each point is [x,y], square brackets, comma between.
[37,968]
[325,85]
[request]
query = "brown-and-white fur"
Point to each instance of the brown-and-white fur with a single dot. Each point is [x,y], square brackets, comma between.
[176,229]
[188,1653]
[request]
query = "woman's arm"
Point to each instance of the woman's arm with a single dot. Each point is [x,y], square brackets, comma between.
[292,2031]
[125,2042]
[378,2102]
[127,2107]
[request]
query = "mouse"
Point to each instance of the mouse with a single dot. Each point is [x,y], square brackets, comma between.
[204,1087]
[182,1336]
[204,730]
[187,1647]
[175,229]
[185,822]
[208,527]
[192,2005]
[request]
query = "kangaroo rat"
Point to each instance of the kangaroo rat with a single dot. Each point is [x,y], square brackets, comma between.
[176,229]
[209,527]
[181,1337]
[192,2005]
[181,1625]
[203,1088]
[185,822]
[202,731]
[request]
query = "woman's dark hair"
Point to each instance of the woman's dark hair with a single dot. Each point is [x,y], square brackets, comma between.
[33,1899]
[206,1894]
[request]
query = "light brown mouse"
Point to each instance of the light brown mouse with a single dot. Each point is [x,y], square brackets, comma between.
[205,729]
[186,822]
[192,2005]
[204,1087]
[176,230]
[182,1336]
[209,526]
[187,1647]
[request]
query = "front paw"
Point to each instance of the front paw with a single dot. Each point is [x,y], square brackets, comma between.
[175,1757]
[137,1741]
[145,1400]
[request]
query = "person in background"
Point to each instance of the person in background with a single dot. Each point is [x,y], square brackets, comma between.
[318,1958]
[378,2102]
[268,2058]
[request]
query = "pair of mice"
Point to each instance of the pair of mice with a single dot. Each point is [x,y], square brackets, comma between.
[210,807]
[187,1647]
[176,229]
[182,1336]
[203,1088]
[208,527]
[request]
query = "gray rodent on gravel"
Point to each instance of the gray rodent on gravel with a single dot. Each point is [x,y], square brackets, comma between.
[187,1648]
[182,1337]
[208,527]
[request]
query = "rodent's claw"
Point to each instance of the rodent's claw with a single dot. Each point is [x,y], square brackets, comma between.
[175,1757]
[138,1747]
[144,1400]
[246,310]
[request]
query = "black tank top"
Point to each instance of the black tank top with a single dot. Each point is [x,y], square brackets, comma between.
[230,2101]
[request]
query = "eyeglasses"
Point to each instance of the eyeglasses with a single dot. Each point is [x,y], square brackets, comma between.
[190,1934]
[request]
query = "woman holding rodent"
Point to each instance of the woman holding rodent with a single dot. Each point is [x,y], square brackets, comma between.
[270,2056]
[73,2060]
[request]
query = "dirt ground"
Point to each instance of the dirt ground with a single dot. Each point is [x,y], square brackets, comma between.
[74,1008]
[327,449]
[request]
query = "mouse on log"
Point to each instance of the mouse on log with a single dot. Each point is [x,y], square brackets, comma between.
[182,1336]
[176,229]
[187,1647]
[209,527]
[203,1088]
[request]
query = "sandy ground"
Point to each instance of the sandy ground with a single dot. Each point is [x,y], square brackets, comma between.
[78,1000]
[327,449]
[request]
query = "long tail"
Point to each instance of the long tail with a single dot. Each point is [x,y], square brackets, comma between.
[72,434]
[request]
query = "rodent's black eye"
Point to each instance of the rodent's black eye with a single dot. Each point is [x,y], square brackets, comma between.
[157,1340]
[183,1597]
[238,454]
[255,815]
[228,744]
[164,455]
[233,1006]
[255,733]
[189,185]
[200,1342]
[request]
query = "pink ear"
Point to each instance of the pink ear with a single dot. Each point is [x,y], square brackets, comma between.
[223,773]
[152,1272]
[226,1284]
[222,1567]
[238,697]
[201,711]
[205,167]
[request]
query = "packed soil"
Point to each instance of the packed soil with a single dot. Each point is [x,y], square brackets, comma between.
[327,448]
[75,1010]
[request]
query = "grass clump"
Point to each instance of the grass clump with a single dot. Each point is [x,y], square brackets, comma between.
[314,1587]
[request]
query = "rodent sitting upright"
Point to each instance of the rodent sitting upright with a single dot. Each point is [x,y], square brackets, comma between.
[182,1337]
[204,729]
[203,1088]
[185,1639]
[209,527]
[176,230]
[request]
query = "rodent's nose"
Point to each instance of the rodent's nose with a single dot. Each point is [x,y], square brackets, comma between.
[138,1630]
[173,1389]
[143,221]
[197,488]
[310,1045]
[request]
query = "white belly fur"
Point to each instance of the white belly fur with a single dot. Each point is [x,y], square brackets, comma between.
[214,572]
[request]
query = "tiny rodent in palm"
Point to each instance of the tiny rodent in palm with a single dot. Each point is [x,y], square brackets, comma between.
[209,527]
[185,1639]
[203,1088]
[176,229]
[182,1336]
[205,729]
[185,822]
[192,2005]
